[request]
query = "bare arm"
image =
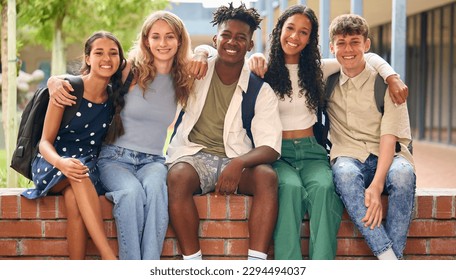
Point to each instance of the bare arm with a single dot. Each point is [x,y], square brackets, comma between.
[72,168]
[373,193]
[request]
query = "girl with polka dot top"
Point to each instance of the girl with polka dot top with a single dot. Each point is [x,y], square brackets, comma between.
[66,162]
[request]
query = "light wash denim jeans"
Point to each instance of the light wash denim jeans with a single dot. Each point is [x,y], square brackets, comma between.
[352,177]
[136,183]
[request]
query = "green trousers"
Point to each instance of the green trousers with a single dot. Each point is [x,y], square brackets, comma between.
[306,186]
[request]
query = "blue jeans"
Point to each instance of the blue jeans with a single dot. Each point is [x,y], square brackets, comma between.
[136,183]
[352,177]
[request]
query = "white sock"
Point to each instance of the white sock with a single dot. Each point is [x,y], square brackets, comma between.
[194,257]
[387,255]
[256,255]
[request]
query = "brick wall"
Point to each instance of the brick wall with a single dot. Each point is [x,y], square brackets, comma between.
[36,229]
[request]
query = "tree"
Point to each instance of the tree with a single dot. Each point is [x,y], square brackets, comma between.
[55,23]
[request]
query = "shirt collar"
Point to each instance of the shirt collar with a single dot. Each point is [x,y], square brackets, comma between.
[360,79]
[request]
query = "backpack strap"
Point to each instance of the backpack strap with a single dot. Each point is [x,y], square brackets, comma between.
[177,123]
[379,93]
[248,103]
[331,84]
[126,86]
[70,111]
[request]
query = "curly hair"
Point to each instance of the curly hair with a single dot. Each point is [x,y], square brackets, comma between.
[249,16]
[143,66]
[309,67]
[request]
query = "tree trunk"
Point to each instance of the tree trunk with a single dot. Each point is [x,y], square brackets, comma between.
[4,54]
[58,66]
[11,116]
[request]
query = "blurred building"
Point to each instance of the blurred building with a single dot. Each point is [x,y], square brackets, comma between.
[421,31]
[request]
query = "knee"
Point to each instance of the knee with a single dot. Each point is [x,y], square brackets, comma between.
[71,206]
[181,181]
[344,175]
[403,178]
[266,178]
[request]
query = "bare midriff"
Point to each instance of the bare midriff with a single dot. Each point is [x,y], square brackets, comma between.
[300,133]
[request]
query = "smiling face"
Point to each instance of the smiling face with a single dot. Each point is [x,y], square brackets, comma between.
[349,51]
[233,41]
[104,58]
[162,42]
[295,36]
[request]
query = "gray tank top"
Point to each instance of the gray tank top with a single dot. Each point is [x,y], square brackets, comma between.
[146,117]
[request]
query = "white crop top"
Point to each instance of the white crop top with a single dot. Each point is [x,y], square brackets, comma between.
[294,113]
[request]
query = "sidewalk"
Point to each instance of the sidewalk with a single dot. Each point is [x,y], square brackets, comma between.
[435,165]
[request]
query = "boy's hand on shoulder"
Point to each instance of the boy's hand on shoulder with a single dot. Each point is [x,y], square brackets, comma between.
[397,89]
[59,92]
[198,65]
[257,64]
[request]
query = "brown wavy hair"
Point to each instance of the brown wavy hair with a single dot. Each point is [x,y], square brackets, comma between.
[143,61]
[144,70]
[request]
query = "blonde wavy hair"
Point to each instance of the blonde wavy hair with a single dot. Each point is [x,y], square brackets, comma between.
[143,61]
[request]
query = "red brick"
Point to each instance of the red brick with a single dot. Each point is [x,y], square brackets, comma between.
[29,208]
[8,247]
[223,229]
[106,208]
[416,246]
[444,207]
[347,229]
[110,229]
[432,228]
[237,207]
[305,230]
[61,210]
[169,247]
[47,207]
[345,216]
[237,247]
[217,207]
[20,228]
[305,247]
[443,246]
[212,247]
[429,258]
[93,251]
[201,206]
[170,232]
[55,229]
[48,247]
[10,207]
[353,247]
[424,206]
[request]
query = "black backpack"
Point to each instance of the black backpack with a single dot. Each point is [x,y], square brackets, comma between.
[32,121]
[247,106]
[321,127]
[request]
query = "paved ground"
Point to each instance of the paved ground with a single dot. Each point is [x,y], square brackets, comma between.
[435,165]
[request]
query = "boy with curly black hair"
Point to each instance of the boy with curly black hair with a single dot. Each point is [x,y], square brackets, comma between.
[211,150]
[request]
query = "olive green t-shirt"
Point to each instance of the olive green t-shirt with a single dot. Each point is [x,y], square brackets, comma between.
[208,130]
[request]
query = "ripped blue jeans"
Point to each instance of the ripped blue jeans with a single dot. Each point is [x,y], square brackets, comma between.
[352,177]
